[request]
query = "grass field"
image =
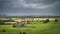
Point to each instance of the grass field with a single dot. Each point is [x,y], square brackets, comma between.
[39,28]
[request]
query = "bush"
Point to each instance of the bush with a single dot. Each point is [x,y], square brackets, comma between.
[37,21]
[56,20]
[40,20]
[14,25]
[28,22]
[1,22]
[32,21]
[46,21]
[20,33]
[3,30]
[24,32]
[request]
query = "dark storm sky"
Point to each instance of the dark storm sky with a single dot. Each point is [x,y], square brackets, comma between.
[30,7]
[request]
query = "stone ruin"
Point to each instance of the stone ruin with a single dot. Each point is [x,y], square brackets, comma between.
[20,24]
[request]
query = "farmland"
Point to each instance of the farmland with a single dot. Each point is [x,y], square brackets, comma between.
[39,27]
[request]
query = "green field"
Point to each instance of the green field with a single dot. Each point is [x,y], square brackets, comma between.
[39,28]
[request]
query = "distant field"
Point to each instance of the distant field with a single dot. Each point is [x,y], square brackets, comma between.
[40,28]
[19,19]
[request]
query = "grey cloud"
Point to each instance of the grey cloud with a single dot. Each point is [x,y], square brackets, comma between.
[14,7]
[41,1]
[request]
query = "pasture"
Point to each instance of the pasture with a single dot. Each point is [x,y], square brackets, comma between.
[51,27]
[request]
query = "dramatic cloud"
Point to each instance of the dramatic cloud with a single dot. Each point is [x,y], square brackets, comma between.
[37,3]
[30,7]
